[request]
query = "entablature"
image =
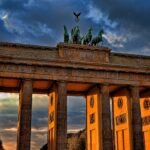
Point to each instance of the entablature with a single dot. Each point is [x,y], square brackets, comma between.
[73,56]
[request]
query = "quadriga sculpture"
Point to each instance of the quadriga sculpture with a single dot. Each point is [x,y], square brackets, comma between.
[88,37]
[66,35]
[75,34]
[98,38]
[86,40]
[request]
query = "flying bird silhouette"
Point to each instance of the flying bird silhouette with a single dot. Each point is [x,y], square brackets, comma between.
[77,15]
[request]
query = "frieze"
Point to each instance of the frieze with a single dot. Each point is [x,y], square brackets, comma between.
[130,59]
[146,120]
[112,75]
[83,53]
[121,119]
[20,50]
[122,75]
[68,73]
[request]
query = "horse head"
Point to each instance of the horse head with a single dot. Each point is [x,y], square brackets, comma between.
[101,32]
[65,28]
[90,29]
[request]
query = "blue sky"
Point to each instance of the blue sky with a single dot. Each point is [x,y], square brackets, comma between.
[40,22]
[126,23]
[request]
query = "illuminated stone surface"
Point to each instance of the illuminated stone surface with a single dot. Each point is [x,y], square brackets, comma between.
[81,70]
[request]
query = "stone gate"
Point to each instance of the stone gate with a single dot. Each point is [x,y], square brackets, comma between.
[93,72]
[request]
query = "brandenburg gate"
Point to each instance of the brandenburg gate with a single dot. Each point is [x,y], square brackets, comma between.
[96,73]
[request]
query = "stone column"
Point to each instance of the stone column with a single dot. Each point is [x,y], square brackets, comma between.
[61,132]
[107,141]
[136,119]
[24,116]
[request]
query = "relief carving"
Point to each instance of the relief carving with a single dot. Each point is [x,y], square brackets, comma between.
[146,120]
[92,102]
[92,118]
[121,119]
[120,102]
[51,117]
[146,104]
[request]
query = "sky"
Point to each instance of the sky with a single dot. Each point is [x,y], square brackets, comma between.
[40,22]
[126,22]
[9,115]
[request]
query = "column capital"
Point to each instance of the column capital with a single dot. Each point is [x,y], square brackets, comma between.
[61,82]
[104,84]
[134,91]
[27,79]
[104,88]
[134,87]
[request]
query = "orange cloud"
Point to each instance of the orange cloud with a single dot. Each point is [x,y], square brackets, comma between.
[9,145]
[10,129]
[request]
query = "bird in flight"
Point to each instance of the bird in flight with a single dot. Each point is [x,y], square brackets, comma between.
[77,15]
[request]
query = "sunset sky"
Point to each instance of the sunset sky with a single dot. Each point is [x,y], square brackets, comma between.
[9,114]
[127,29]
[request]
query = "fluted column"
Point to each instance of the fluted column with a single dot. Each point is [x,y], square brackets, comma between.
[61,142]
[107,141]
[136,120]
[24,116]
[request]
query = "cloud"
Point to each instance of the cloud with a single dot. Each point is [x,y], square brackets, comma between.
[9,116]
[126,25]
[8,145]
[10,129]
[40,101]
[133,23]
[74,130]
[98,17]
[9,99]
[8,25]
[115,40]
[76,112]
[41,22]
[7,95]
[41,130]
[34,130]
